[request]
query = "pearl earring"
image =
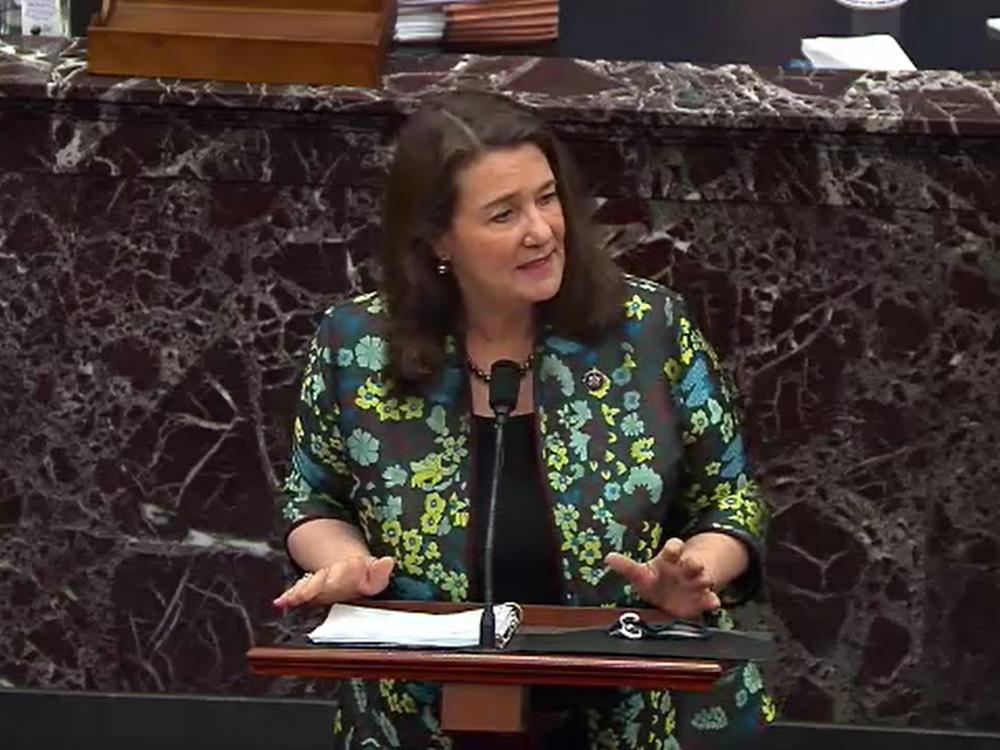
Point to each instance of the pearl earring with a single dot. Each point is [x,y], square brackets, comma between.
[443,266]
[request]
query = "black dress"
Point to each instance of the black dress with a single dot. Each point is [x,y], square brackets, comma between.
[526,557]
[525,565]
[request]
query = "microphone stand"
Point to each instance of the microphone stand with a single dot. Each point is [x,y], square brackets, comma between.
[504,383]
[487,626]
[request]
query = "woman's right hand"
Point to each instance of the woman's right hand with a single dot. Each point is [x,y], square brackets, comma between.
[343,581]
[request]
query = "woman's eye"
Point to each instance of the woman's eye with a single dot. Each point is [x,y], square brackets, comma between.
[502,216]
[548,198]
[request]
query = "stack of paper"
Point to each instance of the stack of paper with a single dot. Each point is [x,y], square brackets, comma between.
[872,52]
[478,21]
[350,625]
[419,20]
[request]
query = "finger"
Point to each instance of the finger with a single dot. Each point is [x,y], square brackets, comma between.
[638,574]
[314,586]
[672,550]
[691,566]
[282,599]
[702,581]
[693,587]
[292,596]
[711,601]
[377,576]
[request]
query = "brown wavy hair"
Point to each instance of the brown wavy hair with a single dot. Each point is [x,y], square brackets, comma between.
[445,134]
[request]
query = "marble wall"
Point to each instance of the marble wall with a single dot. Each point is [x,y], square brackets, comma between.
[165,251]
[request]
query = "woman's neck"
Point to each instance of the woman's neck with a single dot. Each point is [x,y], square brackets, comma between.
[503,329]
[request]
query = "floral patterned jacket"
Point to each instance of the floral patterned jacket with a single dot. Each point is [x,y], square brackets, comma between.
[638,438]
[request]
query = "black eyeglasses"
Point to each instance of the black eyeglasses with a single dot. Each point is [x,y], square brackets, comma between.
[630,625]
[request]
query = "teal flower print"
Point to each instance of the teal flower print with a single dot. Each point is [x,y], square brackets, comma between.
[715,412]
[631,400]
[612,491]
[622,376]
[363,447]
[436,420]
[554,369]
[710,718]
[370,352]
[345,357]
[578,443]
[645,477]
[563,346]
[628,710]
[615,535]
[602,514]
[752,679]
[394,476]
[632,426]
[392,509]
[741,698]
[582,411]
[574,416]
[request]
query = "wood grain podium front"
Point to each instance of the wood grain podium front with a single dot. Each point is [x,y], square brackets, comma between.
[341,42]
[487,691]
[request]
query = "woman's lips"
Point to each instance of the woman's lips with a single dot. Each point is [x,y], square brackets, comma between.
[537,263]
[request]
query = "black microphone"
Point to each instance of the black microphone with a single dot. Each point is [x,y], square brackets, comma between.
[505,383]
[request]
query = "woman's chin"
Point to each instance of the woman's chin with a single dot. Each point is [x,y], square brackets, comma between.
[541,292]
[540,286]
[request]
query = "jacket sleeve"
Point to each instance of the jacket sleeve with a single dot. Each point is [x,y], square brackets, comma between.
[718,492]
[319,481]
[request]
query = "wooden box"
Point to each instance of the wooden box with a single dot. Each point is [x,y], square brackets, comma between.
[341,42]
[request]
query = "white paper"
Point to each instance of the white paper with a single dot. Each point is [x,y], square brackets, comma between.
[44,15]
[872,52]
[419,24]
[993,24]
[346,624]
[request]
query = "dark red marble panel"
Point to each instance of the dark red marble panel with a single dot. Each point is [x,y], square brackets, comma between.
[166,249]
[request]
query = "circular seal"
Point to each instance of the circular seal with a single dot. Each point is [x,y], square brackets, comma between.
[594,379]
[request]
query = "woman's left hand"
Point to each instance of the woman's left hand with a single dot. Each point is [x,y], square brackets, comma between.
[676,581]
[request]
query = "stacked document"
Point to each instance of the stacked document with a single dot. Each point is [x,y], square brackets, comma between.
[478,21]
[872,52]
[368,626]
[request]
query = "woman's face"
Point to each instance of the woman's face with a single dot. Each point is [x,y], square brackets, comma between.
[505,244]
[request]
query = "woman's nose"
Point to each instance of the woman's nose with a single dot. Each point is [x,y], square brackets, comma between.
[539,231]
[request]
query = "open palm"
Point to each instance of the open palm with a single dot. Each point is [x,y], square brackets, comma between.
[675,581]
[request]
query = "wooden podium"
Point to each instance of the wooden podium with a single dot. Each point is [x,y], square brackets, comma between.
[488,691]
[341,42]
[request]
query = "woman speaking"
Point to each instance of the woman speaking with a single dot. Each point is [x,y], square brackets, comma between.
[625,478]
